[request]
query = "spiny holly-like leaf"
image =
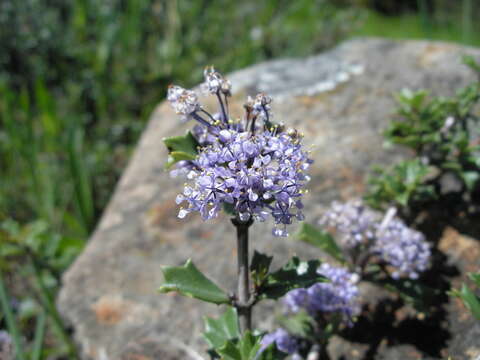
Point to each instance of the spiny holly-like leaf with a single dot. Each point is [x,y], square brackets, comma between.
[188,281]
[219,331]
[181,148]
[260,266]
[186,143]
[295,274]
[321,239]
[248,348]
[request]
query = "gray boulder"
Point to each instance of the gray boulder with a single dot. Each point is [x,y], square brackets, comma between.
[341,100]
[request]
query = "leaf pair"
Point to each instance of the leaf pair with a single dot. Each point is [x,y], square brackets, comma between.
[189,281]
[224,338]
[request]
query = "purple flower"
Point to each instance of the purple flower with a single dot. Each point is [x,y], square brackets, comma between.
[342,287]
[339,295]
[355,222]
[282,339]
[296,299]
[403,249]
[259,171]
[259,175]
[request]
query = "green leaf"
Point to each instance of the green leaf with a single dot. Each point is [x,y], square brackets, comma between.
[249,346]
[475,278]
[81,178]
[229,351]
[181,148]
[40,327]
[245,349]
[321,239]
[471,63]
[401,184]
[471,301]
[412,292]
[470,178]
[186,143]
[218,332]
[248,349]
[177,156]
[299,324]
[188,281]
[229,208]
[259,267]
[295,274]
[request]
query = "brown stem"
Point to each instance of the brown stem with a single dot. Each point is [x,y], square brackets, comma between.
[243,288]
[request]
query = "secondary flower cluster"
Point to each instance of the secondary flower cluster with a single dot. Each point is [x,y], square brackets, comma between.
[390,239]
[354,221]
[403,249]
[255,168]
[283,341]
[339,295]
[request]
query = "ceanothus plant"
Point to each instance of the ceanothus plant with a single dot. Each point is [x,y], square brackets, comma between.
[369,246]
[254,170]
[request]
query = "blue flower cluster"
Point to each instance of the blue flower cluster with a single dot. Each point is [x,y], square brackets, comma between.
[354,221]
[256,168]
[403,249]
[283,341]
[339,295]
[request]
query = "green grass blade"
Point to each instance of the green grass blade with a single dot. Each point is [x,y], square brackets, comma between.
[80,177]
[467,23]
[10,320]
[39,336]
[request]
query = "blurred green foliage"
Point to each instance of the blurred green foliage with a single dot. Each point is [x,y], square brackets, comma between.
[38,256]
[78,79]
[444,136]
[418,19]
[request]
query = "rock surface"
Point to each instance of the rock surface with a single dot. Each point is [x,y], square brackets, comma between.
[341,100]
